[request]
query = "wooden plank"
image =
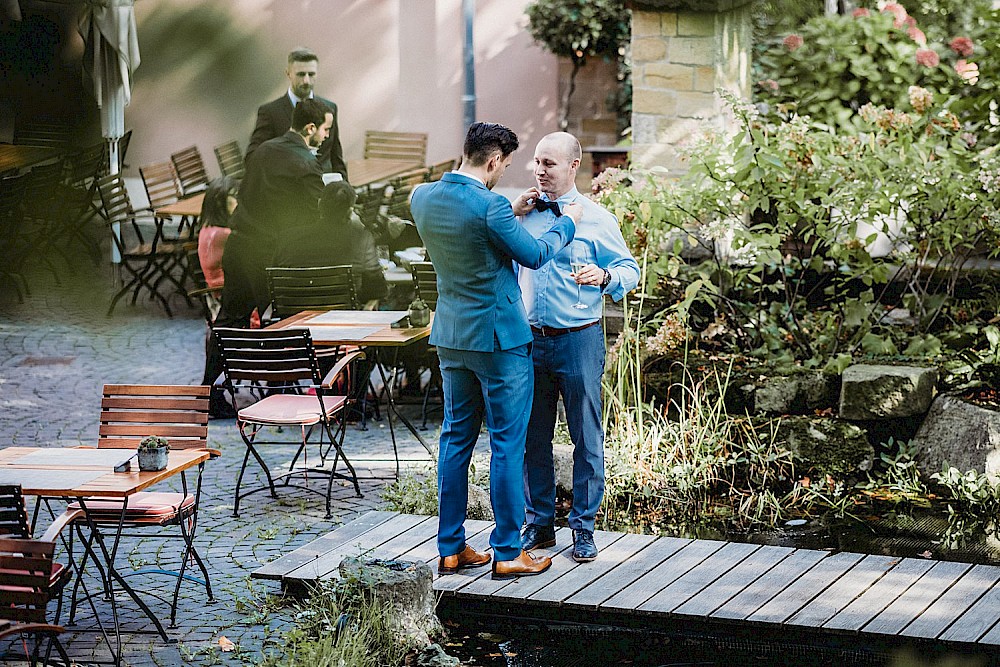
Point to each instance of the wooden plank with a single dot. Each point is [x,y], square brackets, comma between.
[977,619]
[423,532]
[697,578]
[610,558]
[917,598]
[753,597]
[734,581]
[937,617]
[563,566]
[632,568]
[485,586]
[886,590]
[370,539]
[633,595]
[838,595]
[283,565]
[427,552]
[991,637]
[799,592]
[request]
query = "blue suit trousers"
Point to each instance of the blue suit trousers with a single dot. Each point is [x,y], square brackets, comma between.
[496,386]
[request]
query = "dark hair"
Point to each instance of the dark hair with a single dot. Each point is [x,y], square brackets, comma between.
[309,111]
[214,209]
[302,55]
[336,201]
[485,139]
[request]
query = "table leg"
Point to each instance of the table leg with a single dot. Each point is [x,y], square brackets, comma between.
[391,404]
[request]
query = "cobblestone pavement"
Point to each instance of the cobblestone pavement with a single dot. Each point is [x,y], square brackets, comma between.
[57,349]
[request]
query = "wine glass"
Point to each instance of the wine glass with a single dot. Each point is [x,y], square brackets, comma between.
[578,260]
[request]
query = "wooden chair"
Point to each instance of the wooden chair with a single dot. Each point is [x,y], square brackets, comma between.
[160,182]
[398,203]
[14,242]
[41,132]
[425,288]
[147,264]
[316,288]
[409,146]
[190,169]
[179,413]
[25,591]
[436,171]
[230,159]
[287,362]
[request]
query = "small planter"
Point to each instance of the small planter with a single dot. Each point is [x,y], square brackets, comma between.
[151,460]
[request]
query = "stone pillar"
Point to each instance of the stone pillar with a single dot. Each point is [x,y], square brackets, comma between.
[682,51]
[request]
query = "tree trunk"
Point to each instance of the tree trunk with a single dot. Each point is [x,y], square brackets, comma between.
[564,118]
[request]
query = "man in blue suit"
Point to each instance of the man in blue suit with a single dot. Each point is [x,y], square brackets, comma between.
[483,341]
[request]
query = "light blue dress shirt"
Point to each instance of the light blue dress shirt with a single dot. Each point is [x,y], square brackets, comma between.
[549,293]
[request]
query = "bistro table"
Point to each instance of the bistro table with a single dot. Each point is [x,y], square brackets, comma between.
[371,329]
[80,473]
[14,157]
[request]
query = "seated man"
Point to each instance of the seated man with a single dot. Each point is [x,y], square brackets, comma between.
[336,238]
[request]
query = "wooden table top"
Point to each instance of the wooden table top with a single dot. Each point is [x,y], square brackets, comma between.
[361,332]
[85,471]
[188,207]
[18,157]
[373,170]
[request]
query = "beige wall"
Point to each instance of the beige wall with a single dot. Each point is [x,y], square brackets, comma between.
[389,64]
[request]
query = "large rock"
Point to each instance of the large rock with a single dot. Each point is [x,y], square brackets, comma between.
[562,461]
[877,392]
[479,505]
[797,394]
[960,435]
[403,589]
[830,446]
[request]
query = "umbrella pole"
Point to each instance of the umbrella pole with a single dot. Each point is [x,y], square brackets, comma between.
[113,168]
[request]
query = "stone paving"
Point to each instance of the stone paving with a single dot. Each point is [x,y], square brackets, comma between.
[57,349]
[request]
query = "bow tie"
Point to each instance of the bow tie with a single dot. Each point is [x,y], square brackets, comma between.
[541,205]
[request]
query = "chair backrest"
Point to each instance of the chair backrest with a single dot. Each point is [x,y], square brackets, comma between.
[410,146]
[316,288]
[264,355]
[87,165]
[114,198]
[130,412]
[436,171]
[425,282]
[13,515]
[40,132]
[161,185]
[230,159]
[25,572]
[190,170]
[402,186]
[369,204]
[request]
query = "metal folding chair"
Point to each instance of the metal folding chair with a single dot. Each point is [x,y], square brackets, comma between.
[313,288]
[425,287]
[285,362]
[396,146]
[190,170]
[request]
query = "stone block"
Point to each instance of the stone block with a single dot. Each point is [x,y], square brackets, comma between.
[661,102]
[668,76]
[799,394]
[705,79]
[648,49]
[830,446]
[691,50]
[668,24]
[646,24]
[643,127]
[562,462]
[960,435]
[695,24]
[479,505]
[876,392]
[696,105]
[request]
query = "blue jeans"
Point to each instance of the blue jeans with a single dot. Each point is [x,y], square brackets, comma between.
[495,385]
[571,365]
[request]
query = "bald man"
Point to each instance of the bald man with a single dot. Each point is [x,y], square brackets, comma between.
[564,302]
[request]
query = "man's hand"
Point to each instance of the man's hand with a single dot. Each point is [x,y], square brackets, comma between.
[589,275]
[574,210]
[525,203]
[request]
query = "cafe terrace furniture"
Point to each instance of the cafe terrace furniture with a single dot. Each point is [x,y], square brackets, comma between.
[81,473]
[410,146]
[296,289]
[372,331]
[190,170]
[230,159]
[160,181]
[297,396]
[425,287]
[14,158]
[178,413]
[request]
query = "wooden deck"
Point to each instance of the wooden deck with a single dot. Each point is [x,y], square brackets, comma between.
[727,584]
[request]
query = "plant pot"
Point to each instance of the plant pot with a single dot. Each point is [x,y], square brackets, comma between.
[151,460]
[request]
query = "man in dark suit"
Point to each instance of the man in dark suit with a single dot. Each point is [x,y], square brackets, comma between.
[274,118]
[483,341]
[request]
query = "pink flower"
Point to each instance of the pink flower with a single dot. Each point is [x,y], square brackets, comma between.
[963,46]
[860,12]
[917,35]
[793,42]
[928,57]
[769,85]
[968,71]
[898,12]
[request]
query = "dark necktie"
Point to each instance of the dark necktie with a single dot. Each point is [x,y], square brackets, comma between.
[542,205]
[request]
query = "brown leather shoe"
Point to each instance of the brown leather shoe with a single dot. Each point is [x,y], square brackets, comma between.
[525,565]
[469,558]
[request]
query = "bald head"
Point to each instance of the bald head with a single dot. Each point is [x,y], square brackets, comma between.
[557,159]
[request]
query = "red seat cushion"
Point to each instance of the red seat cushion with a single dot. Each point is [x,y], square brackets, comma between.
[142,504]
[290,409]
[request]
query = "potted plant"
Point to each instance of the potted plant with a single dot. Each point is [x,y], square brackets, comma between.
[153,453]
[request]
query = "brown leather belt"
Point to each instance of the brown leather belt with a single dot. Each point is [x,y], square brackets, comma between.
[545,332]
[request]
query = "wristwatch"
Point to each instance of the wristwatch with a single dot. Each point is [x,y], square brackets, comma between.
[607,279]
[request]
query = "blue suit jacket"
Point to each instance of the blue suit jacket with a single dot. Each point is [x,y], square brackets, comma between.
[472,237]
